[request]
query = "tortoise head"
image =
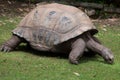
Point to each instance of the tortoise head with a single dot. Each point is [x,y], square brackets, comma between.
[108,56]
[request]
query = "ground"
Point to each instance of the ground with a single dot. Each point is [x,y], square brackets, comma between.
[20,9]
[14,8]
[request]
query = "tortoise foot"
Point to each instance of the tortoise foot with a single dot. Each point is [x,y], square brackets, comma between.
[5,48]
[11,44]
[72,61]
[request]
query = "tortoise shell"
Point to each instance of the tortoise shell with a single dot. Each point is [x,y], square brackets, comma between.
[52,24]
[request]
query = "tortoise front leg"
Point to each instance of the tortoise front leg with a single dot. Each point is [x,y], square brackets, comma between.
[11,44]
[78,48]
[100,49]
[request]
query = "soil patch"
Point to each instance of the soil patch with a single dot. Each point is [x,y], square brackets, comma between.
[13,8]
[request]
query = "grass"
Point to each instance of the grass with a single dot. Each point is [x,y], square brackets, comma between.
[24,64]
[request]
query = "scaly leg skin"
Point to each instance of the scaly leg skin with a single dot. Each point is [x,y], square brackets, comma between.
[78,48]
[100,49]
[11,44]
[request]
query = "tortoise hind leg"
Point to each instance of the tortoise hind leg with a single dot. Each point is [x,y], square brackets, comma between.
[78,48]
[100,49]
[11,44]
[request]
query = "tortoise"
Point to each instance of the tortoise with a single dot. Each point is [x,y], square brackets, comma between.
[58,28]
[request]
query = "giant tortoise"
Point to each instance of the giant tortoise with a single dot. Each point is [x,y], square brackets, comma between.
[58,28]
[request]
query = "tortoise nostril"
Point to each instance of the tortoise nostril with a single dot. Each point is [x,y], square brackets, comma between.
[111,60]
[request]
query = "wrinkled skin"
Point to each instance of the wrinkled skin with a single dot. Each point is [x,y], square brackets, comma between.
[75,47]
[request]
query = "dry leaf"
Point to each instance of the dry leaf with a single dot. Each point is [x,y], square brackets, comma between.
[77,74]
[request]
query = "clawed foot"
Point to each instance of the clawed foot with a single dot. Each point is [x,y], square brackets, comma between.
[5,48]
[73,61]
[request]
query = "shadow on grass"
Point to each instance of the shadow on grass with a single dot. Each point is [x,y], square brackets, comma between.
[41,53]
[84,59]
